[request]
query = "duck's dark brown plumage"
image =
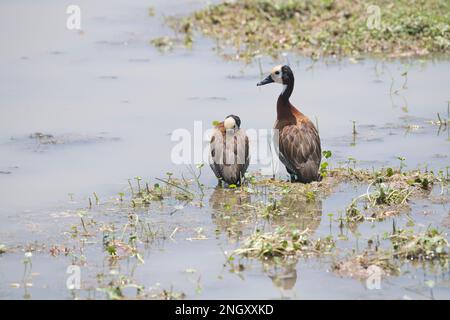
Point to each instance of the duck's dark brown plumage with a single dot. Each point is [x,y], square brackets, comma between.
[229,151]
[299,146]
[299,141]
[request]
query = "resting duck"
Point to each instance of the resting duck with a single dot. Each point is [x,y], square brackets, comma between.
[299,141]
[229,151]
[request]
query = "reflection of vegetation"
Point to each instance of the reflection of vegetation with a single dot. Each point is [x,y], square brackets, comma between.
[283,276]
[331,27]
[360,266]
[27,279]
[295,211]
[239,209]
[442,123]
[231,210]
[119,287]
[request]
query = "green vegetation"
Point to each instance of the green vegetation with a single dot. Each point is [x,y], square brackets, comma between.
[389,192]
[386,195]
[429,245]
[283,243]
[268,220]
[323,28]
[163,44]
[324,165]
[406,245]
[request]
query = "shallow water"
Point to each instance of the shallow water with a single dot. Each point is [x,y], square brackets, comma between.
[111,100]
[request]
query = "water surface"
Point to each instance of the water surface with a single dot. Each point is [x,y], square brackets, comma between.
[111,101]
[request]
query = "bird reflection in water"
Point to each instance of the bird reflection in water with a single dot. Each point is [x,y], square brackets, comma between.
[236,213]
[283,276]
[231,211]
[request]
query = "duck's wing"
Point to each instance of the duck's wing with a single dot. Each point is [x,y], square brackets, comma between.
[236,156]
[229,155]
[216,152]
[300,150]
[241,150]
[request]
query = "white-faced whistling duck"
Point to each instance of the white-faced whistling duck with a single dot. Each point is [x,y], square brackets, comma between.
[229,151]
[299,142]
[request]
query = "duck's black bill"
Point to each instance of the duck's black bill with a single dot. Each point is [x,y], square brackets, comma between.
[265,81]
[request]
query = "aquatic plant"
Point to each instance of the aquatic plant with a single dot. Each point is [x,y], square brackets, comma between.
[322,28]
[324,165]
[387,195]
[151,11]
[429,245]
[163,44]
[284,214]
[353,214]
[283,243]
[402,162]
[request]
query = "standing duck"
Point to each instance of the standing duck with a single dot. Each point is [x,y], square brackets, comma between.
[299,141]
[229,151]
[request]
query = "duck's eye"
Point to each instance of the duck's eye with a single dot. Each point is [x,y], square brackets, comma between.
[277,72]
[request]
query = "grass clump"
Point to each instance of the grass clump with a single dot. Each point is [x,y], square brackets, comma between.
[429,245]
[170,188]
[326,27]
[388,192]
[387,195]
[353,214]
[384,201]
[163,44]
[283,243]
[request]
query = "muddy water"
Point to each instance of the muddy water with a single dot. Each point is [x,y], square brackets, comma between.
[109,100]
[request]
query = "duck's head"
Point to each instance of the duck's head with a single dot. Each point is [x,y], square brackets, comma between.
[232,122]
[280,74]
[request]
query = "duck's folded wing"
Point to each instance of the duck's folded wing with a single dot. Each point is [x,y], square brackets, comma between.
[300,149]
[229,155]
[216,153]
[241,151]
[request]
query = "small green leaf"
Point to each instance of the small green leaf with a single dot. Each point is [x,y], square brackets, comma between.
[111,250]
[327,154]
[389,172]
[200,165]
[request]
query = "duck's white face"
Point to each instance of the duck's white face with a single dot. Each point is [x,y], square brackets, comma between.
[229,123]
[277,74]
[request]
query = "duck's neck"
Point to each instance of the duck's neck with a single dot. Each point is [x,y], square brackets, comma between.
[287,91]
[284,107]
